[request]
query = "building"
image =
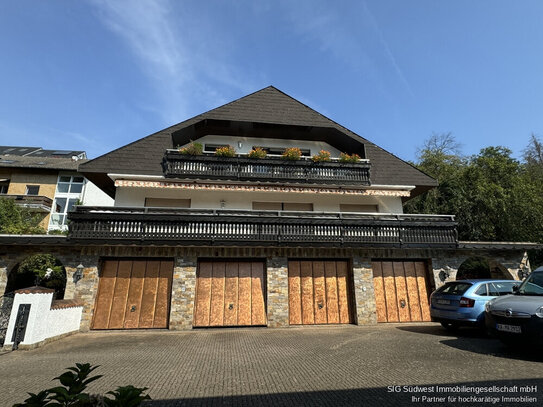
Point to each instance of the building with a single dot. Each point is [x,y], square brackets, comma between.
[224,238]
[47,182]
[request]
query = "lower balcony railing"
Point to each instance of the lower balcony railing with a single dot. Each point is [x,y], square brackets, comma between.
[34,202]
[267,228]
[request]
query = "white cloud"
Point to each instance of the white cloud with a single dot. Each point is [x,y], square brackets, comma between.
[174,51]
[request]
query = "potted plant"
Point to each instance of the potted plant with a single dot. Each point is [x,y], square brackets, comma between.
[257,152]
[227,151]
[322,156]
[192,149]
[291,153]
[346,158]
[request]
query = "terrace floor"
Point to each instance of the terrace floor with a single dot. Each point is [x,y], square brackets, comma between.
[336,365]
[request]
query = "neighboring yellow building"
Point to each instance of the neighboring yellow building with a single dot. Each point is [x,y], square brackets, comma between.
[46,181]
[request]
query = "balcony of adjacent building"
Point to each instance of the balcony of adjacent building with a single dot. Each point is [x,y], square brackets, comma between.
[38,203]
[221,227]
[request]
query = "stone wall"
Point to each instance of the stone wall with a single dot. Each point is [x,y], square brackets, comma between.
[183,292]
[277,282]
[364,292]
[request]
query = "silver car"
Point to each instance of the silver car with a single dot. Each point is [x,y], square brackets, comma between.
[518,317]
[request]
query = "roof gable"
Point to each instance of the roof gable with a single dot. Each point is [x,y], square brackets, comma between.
[268,105]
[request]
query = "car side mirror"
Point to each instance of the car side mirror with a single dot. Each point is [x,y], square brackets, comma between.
[515,288]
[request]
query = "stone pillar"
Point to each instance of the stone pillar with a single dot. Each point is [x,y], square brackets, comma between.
[84,290]
[277,281]
[183,293]
[444,269]
[3,277]
[364,292]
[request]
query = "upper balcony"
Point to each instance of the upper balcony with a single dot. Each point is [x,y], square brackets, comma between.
[269,169]
[38,203]
[209,227]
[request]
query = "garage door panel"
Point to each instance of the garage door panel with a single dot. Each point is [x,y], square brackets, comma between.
[294,293]
[306,274]
[412,291]
[320,293]
[379,289]
[332,306]
[401,292]
[258,311]
[231,294]
[390,290]
[162,306]
[203,294]
[150,288]
[343,295]
[420,268]
[120,296]
[217,295]
[245,292]
[135,293]
[104,298]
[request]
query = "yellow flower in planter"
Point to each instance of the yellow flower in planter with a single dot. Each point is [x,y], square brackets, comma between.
[227,151]
[292,153]
[323,155]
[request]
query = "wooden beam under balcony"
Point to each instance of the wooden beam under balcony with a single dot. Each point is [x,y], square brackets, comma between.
[193,227]
[275,170]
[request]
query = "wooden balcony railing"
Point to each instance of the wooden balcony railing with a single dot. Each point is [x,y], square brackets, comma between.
[177,165]
[34,202]
[264,228]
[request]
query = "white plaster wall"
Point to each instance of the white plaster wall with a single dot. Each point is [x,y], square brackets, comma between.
[247,143]
[94,196]
[202,199]
[43,322]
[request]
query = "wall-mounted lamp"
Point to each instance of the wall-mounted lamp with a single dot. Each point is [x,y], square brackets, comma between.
[223,203]
[240,144]
[78,275]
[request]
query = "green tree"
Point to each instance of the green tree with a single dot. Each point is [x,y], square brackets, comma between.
[40,269]
[15,219]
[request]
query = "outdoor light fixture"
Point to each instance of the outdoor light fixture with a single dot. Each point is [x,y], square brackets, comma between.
[223,203]
[240,144]
[78,275]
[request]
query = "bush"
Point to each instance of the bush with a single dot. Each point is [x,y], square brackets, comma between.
[257,153]
[346,158]
[192,149]
[17,220]
[292,153]
[71,393]
[323,155]
[227,151]
[44,270]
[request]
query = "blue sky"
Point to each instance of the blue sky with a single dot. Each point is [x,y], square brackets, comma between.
[98,74]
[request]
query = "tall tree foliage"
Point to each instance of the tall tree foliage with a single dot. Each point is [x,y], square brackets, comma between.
[493,196]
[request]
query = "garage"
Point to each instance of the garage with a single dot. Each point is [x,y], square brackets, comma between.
[230,293]
[133,293]
[319,292]
[401,291]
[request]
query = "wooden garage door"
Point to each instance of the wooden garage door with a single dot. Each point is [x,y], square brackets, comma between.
[133,293]
[230,294]
[401,293]
[318,292]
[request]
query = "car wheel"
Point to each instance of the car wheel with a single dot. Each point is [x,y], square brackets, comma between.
[450,326]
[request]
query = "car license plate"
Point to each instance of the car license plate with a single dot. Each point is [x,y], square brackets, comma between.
[447,302]
[508,328]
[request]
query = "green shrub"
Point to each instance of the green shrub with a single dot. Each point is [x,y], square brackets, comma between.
[41,269]
[192,149]
[227,151]
[71,393]
[257,152]
[292,153]
[346,158]
[323,155]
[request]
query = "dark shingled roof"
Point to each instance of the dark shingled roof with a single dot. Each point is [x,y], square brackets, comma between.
[268,105]
[42,163]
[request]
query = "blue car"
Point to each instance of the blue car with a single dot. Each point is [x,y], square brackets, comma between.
[462,302]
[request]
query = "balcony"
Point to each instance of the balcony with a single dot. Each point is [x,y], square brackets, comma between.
[274,169]
[195,227]
[38,203]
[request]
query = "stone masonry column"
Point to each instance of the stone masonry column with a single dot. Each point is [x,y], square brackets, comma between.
[84,289]
[364,292]
[183,293]
[277,281]
[3,277]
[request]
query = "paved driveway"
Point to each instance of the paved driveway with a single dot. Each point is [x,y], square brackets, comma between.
[340,365]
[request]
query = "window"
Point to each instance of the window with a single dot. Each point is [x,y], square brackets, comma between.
[454,288]
[496,288]
[482,290]
[61,208]
[210,148]
[282,206]
[32,189]
[68,193]
[4,186]
[358,208]
[167,203]
[70,184]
